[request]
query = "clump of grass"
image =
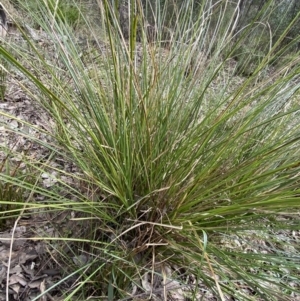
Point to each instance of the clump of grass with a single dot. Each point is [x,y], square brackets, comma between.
[186,168]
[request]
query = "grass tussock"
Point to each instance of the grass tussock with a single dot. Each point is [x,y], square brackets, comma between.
[183,168]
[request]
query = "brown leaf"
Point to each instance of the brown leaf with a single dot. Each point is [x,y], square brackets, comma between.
[42,289]
[35,284]
[16,270]
[15,287]
[17,279]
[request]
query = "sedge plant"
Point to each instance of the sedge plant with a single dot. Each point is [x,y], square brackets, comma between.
[187,175]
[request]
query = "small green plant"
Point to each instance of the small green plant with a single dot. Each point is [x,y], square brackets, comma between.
[66,11]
